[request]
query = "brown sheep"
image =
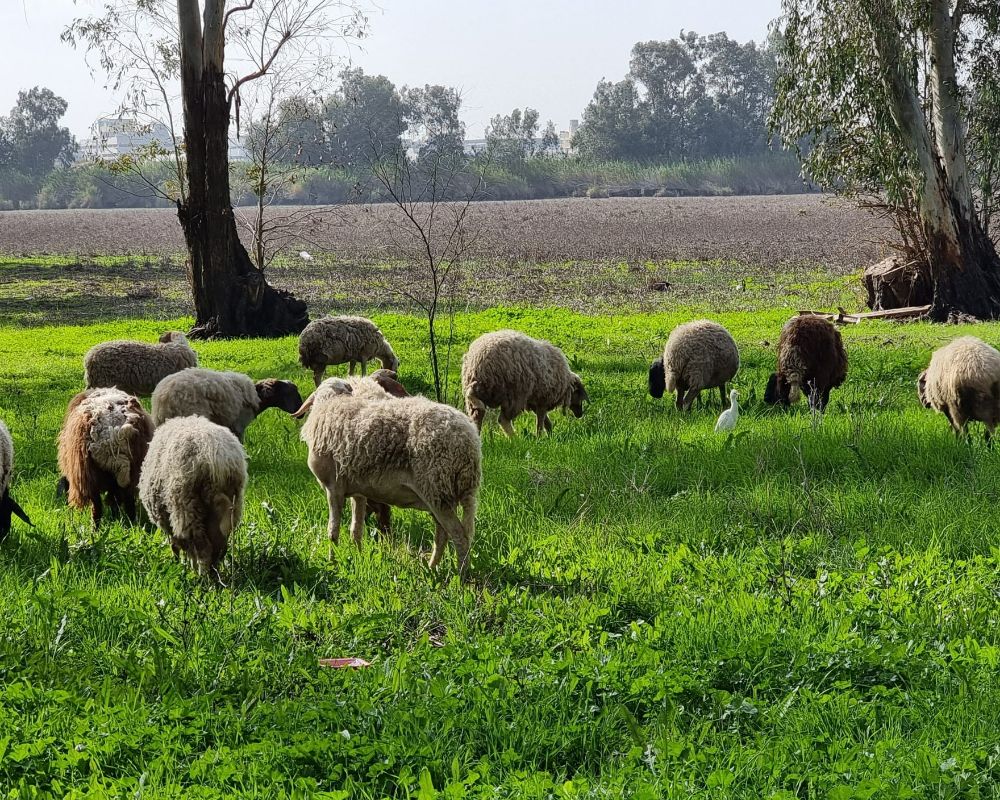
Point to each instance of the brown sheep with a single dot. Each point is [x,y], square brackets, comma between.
[811,356]
[102,444]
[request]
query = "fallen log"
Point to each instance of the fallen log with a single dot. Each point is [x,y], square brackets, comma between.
[843,318]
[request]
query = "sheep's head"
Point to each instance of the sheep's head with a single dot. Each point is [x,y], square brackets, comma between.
[173,336]
[657,379]
[279,394]
[922,389]
[577,396]
[331,387]
[777,390]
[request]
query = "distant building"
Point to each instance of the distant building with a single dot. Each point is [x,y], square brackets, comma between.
[114,137]
[566,137]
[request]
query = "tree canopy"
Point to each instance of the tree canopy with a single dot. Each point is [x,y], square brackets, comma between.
[32,142]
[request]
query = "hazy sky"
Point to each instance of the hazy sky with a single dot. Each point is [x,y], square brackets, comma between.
[548,54]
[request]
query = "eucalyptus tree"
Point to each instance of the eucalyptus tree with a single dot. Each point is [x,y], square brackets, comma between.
[216,49]
[889,99]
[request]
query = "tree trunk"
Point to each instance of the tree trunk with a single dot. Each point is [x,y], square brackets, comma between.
[231,296]
[961,261]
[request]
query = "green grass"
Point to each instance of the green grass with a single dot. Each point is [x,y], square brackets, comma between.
[808,609]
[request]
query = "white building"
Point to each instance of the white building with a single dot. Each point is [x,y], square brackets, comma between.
[114,137]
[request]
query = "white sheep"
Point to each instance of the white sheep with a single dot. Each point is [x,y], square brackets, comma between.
[339,340]
[408,452]
[963,383]
[102,444]
[698,355]
[230,399]
[136,367]
[192,487]
[8,505]
[515,373]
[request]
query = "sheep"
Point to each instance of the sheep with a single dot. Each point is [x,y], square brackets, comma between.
[8,505]
[103,441]
[336,340]
[136,367]
[192,487]
[811,356]
[516,373]
[962,381]
[698,355]
[409,452]
[230,399]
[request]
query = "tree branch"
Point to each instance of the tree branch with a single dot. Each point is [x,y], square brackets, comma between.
[230,12]
[285,38]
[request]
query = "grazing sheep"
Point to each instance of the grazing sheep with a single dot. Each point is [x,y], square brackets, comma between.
[103,441]
[192,487]
[963,383]
[136,367]
[230,399]
[515,373]
[811,356]
[336,340]
[8,505]
[698,355]
[408,452]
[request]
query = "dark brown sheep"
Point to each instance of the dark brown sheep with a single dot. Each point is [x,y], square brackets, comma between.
[811,357]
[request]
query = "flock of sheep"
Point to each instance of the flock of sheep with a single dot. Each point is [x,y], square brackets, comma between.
[372,442]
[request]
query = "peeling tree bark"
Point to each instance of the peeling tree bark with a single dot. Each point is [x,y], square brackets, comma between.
[231,296]
[962,263]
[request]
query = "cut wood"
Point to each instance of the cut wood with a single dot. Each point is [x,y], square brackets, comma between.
[844,318]
[896,284]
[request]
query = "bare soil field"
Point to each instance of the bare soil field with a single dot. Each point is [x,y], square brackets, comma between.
[587,255]
[749,230]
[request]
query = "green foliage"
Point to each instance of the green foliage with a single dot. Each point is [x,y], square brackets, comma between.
[807,609]
[690,97]
[32,142]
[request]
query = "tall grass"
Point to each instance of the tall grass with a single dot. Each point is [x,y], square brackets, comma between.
[805,609]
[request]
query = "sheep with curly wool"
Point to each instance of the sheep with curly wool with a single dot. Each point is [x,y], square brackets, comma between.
[408,452]
[698,355]
[339,340]
[192,487]
[8,505]
[136,367]
[811,357]
[102,444]
[230,399]
[962,381]
[515,373]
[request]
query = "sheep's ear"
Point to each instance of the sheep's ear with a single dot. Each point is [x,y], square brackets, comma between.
[657,379]
[9,506]
[584,397]
[771,392]
[387,380]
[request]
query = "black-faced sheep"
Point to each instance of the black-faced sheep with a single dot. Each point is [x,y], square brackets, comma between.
[102,444]
[8,505]
[811,358]
[698,355]
[963,383]
[230,399]
[136,367]
[192,487]
[408,452]
[339,340]
[515,373]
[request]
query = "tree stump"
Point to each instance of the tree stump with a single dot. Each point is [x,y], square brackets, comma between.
[894,283]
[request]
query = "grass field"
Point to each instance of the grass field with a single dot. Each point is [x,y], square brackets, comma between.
[807,609]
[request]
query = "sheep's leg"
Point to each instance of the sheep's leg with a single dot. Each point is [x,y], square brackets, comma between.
[96,510]
[350,367]
[130,513]
[543,423]
[692,394]
[440,542]
[722,394]
[505,423]
[318,374]
[364,367]
[358,505]
[336,502]
[448,521]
